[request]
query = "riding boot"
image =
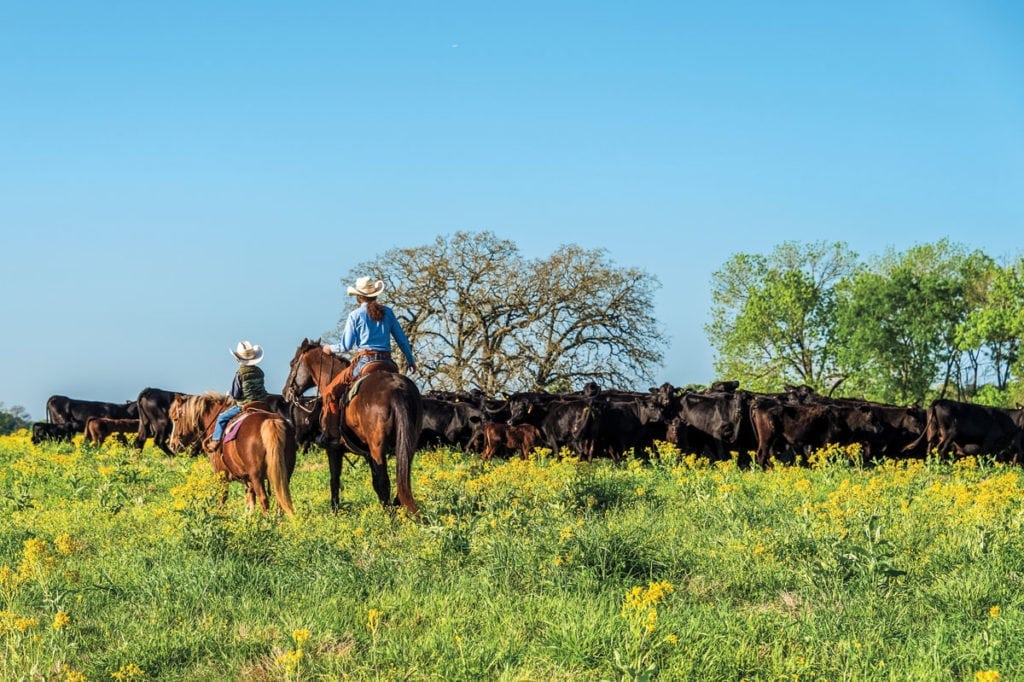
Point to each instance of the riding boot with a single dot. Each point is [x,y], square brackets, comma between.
[213,446]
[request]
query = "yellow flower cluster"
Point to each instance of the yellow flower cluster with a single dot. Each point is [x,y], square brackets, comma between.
[202,489]
[129,672]
[60,620]
[36,559]
[640,603]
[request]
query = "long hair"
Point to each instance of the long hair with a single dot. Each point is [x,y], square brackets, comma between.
[373,308]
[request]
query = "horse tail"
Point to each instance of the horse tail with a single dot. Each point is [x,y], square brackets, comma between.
[274,434]
[408,415]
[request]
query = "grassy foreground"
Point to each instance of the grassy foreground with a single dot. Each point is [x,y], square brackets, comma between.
[118,565]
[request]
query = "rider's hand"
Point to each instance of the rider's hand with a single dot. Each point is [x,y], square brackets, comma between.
[327,350]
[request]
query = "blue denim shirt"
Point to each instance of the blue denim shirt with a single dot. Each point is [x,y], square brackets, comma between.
[362,333]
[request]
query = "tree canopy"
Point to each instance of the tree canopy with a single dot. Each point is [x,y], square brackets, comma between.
[935,320]
[481,316]
[772,317]
[13,418]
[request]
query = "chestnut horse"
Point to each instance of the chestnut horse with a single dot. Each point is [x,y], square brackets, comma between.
[385,415]
[263,450]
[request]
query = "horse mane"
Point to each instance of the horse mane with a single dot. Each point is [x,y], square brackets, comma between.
[196,406]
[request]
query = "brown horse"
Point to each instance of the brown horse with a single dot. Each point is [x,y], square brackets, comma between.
[385,416]
[263,450]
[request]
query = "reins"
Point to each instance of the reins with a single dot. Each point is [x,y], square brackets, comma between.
[295,387]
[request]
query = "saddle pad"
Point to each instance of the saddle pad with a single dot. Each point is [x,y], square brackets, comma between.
[355,387]
[231,430]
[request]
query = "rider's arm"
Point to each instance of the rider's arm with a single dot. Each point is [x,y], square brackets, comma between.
[236,387]
[400,338]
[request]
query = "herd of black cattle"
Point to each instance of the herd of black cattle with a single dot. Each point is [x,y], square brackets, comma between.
[596,422]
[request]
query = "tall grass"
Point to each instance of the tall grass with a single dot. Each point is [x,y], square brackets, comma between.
[123,565]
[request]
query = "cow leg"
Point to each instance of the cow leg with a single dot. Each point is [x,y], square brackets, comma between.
[160,440]
[944,446]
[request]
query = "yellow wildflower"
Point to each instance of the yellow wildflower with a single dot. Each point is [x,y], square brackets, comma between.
[129,672]
[24,624]
[373,619]
[60,620]
[987,676]
[994,611]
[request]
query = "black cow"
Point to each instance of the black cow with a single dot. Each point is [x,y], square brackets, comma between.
[279,404]
[305,416]
[154,422]
[61,409]
[966,428]
[632,421]
[44,431]
[713,423]
[798,429]
[564,421]
[452,423]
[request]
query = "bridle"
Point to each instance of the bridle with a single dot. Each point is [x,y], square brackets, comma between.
[294,385]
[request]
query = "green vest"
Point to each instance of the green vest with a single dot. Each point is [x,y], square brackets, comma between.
[251,378]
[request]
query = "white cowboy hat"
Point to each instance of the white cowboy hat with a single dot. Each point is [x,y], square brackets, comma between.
[364,287]
[247,354]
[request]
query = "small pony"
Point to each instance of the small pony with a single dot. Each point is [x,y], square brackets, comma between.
[263,449]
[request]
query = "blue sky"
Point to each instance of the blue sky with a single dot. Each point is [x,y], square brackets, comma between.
[177,177]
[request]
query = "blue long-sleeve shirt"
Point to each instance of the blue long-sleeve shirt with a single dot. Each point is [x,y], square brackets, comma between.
[363,333]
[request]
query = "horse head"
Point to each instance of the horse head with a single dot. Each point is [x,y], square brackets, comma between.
[191,417]
[176,413]
[309,367]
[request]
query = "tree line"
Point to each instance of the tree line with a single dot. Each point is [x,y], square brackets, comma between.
[936,320]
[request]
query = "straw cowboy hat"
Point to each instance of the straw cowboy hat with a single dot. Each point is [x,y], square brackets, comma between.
[364,287]
[247,354]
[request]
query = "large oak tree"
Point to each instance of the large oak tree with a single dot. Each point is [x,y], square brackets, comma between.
[480,315]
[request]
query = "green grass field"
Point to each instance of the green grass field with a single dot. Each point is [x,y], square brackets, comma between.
[116,565]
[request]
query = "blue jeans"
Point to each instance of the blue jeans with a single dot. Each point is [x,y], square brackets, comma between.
[223,419]
[361,361]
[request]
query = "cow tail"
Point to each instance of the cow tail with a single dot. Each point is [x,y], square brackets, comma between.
[143,432]
[274,434]
[408,415]
[929,424]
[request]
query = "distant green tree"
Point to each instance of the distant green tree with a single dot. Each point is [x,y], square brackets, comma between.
[13,418]
[897,321]
[772,317]
[992,331]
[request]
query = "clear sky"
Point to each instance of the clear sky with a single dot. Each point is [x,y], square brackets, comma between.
[176,177]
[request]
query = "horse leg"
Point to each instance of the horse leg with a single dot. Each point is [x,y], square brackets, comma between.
[381,481]
[334,461]
[250,496]
[259,488]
